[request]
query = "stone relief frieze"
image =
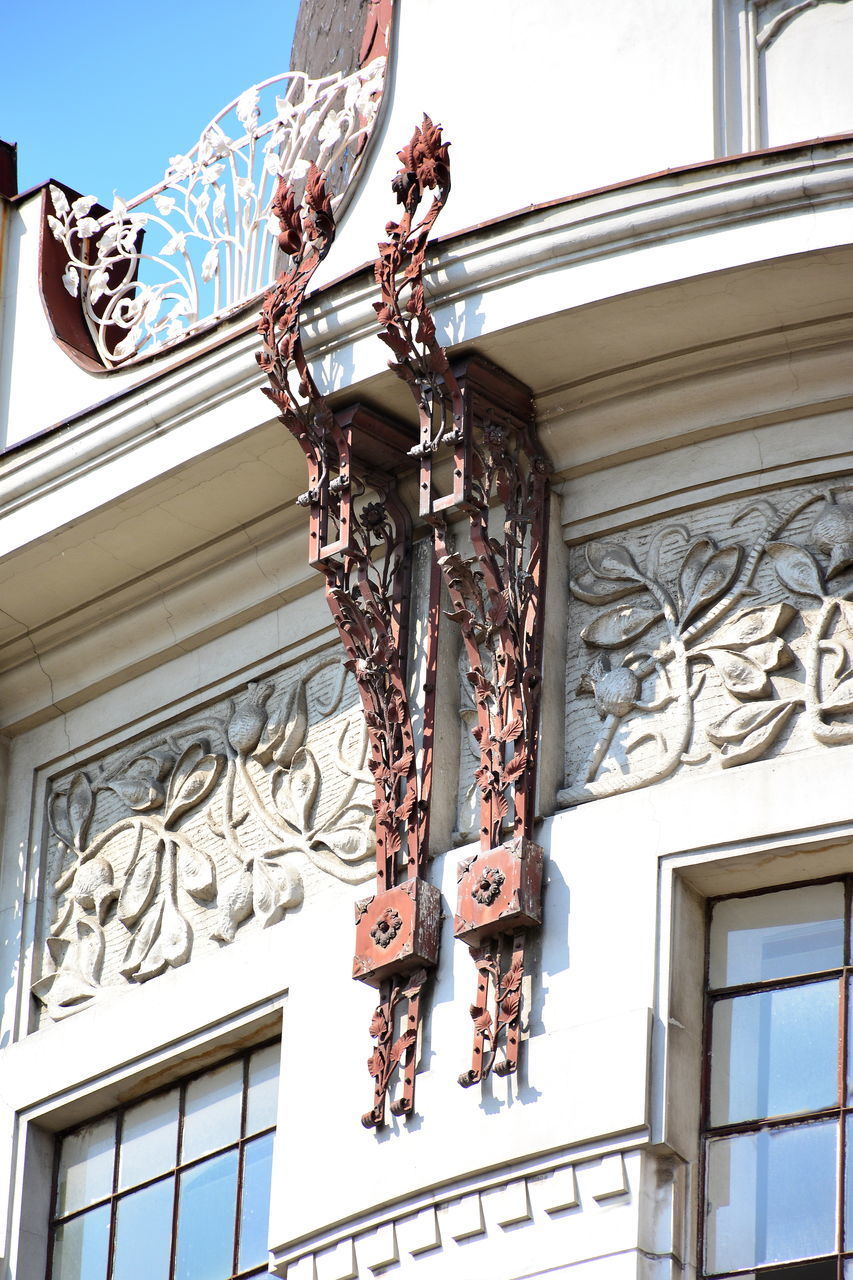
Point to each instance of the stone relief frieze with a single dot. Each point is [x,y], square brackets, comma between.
[711,643]
[208,829]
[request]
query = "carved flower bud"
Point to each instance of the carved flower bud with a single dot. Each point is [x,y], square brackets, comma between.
[402,184]
[832,533]
[285,730]
[616,692]
[94,875]
[247,721]
[235,907]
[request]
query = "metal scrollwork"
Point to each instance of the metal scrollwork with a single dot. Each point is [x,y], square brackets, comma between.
[361,541]
[477,426]
[204,240]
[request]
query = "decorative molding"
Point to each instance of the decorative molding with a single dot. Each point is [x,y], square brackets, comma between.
[194,248]
[534,247]
[202,831]
[477,427]
[360,539]
[772,16]
[541,1201]
[711,645]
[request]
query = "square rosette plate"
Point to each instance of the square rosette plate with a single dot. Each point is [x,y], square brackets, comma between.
[500,891]
[397,930]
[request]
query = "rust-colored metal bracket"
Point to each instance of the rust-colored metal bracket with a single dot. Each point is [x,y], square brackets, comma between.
[480,457]
[361,541]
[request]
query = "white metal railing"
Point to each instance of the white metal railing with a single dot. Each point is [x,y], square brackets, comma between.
[202,242]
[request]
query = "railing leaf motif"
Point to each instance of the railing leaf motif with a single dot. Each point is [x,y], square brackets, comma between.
[203,241]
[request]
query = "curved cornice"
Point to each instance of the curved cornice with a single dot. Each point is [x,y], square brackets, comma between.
[674,287]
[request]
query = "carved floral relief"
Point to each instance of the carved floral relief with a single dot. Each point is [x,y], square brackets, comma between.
[711,643]
[210,828]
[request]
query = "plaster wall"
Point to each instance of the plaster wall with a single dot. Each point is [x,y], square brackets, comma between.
[583,1163]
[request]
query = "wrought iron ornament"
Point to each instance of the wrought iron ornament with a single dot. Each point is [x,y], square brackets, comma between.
[361,541]
[480,458]
[152,271]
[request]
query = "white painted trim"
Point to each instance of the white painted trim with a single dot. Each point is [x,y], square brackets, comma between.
[88,460]
[748,29]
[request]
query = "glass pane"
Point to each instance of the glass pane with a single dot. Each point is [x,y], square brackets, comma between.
[143,1243]
[206,1217]
[213,1111]
[771,1196]
[775,1053]
[80,1246]
[86,1166]
[777,935]
[255,1211]
[263,1089]
[825,1269]
[149,1139]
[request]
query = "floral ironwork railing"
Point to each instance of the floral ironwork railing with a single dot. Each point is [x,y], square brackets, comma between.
[156,269]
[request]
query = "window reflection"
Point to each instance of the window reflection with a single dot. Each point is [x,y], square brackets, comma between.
[143,1240]
[80,1246]
[174,1209]
[212,1117]
[775,1053]
[86,1167]
[149,1139]
[255,1206]
[207,1209]
[777,1102]
[771,1196]
[777,935]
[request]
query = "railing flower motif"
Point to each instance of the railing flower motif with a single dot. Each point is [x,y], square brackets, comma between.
[204,240]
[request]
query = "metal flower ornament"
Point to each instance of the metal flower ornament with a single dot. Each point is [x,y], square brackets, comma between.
[475,417]
[407,326]
[360,539]
[203,241]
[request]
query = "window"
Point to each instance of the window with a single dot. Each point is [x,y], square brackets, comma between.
[779,1104]
[175,1187]
[767,51]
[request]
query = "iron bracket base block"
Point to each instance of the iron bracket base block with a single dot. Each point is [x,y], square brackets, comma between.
[397,930]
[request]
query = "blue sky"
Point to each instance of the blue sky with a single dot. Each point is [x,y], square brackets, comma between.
[100,95]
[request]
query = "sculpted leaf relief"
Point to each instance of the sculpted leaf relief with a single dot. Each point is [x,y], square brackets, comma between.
[711,647]
[205,830]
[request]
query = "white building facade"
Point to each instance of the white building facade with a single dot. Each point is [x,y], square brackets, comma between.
[651,228]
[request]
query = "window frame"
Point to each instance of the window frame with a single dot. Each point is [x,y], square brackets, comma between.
[841,1112]
[740,91]
[40,1104]
[174,1172]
